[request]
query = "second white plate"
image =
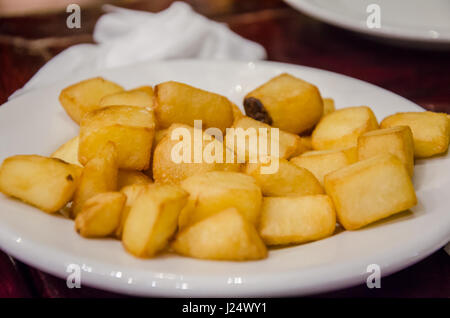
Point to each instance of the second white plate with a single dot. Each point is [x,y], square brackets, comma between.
[408,21]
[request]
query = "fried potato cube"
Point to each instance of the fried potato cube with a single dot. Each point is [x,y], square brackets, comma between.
[100,215]
[130,128]
[341,128]
[289,180]
[294,220]
[136,97]
[237,113]
[168,170]
[145,88]
[47,183]
[286,102]
[99,175]
[430,131]
[226,235]
[396,140]
[83,97]
[159,135]
[307,141]
[68,152]
[322,162]
[303,146]
[180,103]
[328,106]
[288,144]
[152,219]
[129,177]
[131,192]
[215,191]
[370,190]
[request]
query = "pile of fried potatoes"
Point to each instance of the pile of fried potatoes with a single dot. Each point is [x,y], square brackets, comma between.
[117,179]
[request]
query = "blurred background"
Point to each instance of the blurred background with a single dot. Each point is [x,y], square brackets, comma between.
[33,31]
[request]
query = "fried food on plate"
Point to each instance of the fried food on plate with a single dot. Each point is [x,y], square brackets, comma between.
[130,128]
[100,215]
[431,131]
[83,97]
[226,235]
[152,219]
[47,183]
[341,128]
[370,190]
[286,102]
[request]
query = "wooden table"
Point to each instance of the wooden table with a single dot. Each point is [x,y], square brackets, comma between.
[421,76]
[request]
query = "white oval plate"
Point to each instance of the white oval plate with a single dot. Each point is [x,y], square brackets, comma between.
[414,21]
[36,123]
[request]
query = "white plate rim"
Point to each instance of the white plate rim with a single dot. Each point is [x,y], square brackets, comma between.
[388,32]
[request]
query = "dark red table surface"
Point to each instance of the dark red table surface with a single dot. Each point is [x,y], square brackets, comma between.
[421,76]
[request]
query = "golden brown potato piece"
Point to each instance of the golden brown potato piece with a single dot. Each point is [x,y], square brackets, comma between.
[226,235]
[47,183]
[145,88]
[215,191]
[152,219]
[328,106]
[304,145]
[166,170]
[286,102]
[307,141]
[130,128]
[322,162]
[100,215]
[370,190]
[396,140]
[131,192]
[341,128]
[237,113]
[138,98]
[99,175]
[294,220]
[159,135]
[430,131]
[180,103]
[289,180]
[288,144]
[129,177]
[83,97]
[68,152]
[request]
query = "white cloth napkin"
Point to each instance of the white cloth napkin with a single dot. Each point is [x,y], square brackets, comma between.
[126,37]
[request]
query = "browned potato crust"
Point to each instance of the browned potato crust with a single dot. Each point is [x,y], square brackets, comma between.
[99,175]
[152,219]
[226,235]
[83,97]
[180,103]
[286,102]
[130,128]
[370,190]
[47,183]
[431,131]
[100,215]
